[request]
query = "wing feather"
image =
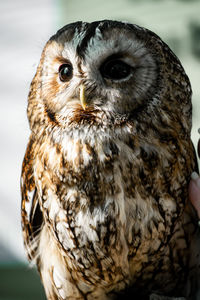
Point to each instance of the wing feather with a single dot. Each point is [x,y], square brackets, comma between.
[31,214]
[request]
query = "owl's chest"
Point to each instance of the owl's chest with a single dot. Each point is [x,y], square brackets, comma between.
[123,178]
[97,168]
[112,206]
[102,183]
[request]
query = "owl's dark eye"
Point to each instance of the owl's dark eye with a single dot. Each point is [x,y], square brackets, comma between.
[65,72]
[115,69]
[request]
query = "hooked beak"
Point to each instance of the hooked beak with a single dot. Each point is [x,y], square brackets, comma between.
[82,96]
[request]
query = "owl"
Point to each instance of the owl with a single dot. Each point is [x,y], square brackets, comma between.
[105,210]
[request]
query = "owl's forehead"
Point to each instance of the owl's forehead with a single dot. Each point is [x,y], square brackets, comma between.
[97,39]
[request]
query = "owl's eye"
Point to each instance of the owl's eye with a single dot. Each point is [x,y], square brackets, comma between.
[115,69]
[65,72]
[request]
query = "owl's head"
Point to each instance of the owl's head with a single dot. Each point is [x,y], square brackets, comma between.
[113,67]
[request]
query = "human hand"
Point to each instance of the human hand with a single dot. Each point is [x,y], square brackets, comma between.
[194,187]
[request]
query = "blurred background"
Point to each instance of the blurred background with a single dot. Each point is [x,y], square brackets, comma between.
[25,26]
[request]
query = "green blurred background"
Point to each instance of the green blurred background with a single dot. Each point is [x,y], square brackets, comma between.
[24,28]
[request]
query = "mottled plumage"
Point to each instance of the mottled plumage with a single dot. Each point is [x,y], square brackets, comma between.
[105,210]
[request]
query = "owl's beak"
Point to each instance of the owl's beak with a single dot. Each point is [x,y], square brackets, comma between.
[82,96]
